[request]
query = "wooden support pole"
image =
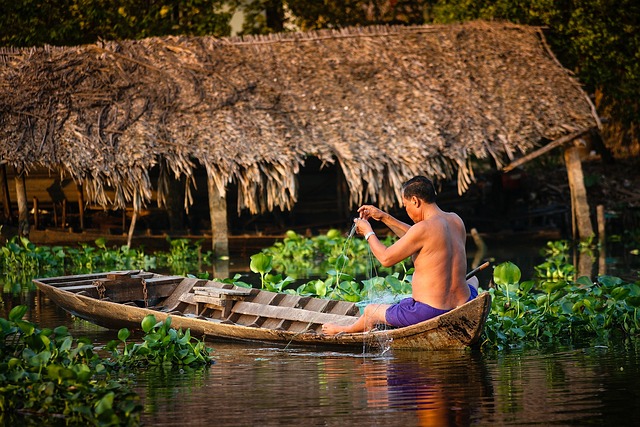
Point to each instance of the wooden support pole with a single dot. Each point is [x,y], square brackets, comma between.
[601,225]
[602,239]
[134,218]
[579,204]
[63,220]
[23,209]
[6,197]
[36,214]
[218,215]
[550,146]
[81,205]
[481,245]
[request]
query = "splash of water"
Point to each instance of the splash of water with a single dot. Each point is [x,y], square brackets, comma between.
[372,296]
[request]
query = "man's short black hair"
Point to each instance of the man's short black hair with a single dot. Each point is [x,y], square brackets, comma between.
[421,187]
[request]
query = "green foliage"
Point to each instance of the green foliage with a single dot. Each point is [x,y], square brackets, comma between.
[301,256]
[21,260]
[559,310]
[46,373]
[184,255]
[162,345]
[75,22]
[49,374]
[330,253]
[556,266]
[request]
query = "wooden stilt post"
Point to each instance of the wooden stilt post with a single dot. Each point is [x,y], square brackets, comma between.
[36,214]
[134,218]
[602,239]
[23,209]
[6,198]
[63,220]
[81,205]
[218,215]
[579,203]
[601,225]
[481,245]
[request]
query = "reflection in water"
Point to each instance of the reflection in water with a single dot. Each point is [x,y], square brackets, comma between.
[270,386]
[441,388]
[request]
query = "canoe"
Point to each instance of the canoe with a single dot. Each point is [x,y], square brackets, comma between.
[214,310]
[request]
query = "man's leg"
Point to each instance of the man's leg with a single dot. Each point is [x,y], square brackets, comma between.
[373,314]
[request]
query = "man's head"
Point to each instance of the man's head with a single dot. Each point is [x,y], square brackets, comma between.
[420,187]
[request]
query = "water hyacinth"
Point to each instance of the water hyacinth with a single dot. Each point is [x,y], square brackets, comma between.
[46,374]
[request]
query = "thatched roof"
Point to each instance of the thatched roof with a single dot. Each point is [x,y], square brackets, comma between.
[386,102]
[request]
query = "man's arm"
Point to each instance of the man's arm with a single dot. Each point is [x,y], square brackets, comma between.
[408,245]
[399,228]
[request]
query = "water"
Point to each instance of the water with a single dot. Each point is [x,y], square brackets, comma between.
[254,384]
[270,386]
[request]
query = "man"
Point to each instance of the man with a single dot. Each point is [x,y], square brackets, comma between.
[436,243]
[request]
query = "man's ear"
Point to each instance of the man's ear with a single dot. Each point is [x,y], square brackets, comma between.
[416,201]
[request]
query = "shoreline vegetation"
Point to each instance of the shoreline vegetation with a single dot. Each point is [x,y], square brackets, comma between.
[550,310]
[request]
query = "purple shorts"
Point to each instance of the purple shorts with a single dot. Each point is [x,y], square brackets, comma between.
[409,311]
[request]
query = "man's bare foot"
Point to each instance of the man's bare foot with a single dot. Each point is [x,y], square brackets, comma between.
[332,329]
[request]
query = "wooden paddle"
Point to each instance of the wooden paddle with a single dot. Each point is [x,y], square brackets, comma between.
[478,268]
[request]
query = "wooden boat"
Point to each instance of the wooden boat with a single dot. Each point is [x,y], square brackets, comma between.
[214,310]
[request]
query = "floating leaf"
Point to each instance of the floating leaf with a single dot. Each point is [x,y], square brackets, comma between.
[105,404]
[609,281]
[550,286]
[148,322]
[506,273]
[17,312]
[584,281]
[260,263]
[123,334]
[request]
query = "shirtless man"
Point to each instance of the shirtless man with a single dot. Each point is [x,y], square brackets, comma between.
[436,243]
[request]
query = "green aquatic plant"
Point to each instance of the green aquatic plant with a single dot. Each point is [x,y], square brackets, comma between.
[184,255]
[261,264]
[549,312]
[22,260]
[89,258]
[47,374]
[162,345]
[299,256]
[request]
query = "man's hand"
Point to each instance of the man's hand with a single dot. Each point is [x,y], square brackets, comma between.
[368,211]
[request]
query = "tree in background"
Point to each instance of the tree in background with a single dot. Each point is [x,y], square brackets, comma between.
[75,22]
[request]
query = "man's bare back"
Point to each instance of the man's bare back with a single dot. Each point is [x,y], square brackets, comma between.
[436,242]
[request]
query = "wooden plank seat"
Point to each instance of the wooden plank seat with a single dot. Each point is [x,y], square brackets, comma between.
[219,292]
[173,301]
[209,297]
[289,313]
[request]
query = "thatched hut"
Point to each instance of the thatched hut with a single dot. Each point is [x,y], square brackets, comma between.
[386,103]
